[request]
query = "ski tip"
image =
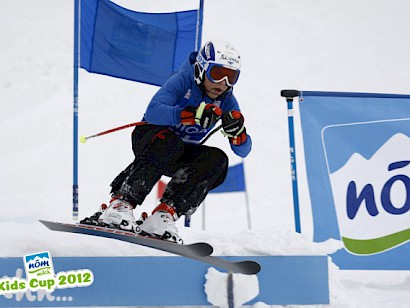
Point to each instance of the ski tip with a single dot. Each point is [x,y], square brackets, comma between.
[204,249]
[44,222]
[248,267]
[49,224]
[256,267]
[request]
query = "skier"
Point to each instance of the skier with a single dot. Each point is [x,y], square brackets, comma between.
[179,115]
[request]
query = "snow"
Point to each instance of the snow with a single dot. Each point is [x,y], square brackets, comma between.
[324,45]
[244,288]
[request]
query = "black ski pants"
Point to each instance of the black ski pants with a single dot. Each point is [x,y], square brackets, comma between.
[194,169]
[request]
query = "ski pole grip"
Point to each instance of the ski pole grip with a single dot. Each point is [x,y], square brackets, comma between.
[199,113]
[289,93]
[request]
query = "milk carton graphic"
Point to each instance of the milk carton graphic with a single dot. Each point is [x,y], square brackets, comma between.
[369,171]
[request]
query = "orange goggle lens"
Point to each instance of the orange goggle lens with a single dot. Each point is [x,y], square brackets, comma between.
[217,73]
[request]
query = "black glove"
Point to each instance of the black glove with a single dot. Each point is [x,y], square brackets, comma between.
[205,115]
[233,124]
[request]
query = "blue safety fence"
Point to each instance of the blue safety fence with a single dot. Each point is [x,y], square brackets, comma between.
[135,281]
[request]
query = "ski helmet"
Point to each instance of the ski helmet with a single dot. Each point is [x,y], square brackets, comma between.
[218,60]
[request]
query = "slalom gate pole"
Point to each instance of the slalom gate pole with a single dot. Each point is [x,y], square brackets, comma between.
[198,38]
[290,95]
[83,139]
[231,299]
[75,107]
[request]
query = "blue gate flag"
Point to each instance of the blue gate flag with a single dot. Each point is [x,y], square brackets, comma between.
[234,181]
[357,158]
[143,47]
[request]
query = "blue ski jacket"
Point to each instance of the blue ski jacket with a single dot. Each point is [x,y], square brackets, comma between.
[180,91]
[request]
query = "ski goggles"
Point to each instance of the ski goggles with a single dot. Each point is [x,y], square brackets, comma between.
[217,72]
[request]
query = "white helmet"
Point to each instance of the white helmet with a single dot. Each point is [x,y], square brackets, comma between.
[219,61]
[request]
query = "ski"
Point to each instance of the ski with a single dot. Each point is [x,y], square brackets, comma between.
[196,251]
[247,267]
[188,250]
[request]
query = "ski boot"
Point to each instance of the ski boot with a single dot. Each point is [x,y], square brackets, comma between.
[161,224]
[118,215]
[94,219]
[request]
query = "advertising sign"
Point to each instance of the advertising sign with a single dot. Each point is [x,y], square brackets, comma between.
[357,153]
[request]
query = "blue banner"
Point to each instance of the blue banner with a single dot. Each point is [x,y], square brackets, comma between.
[357,153]
[234,181]
[162,281]
[144,47]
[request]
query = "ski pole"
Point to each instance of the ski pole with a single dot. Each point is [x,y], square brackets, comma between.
[83,139]
[211,133]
